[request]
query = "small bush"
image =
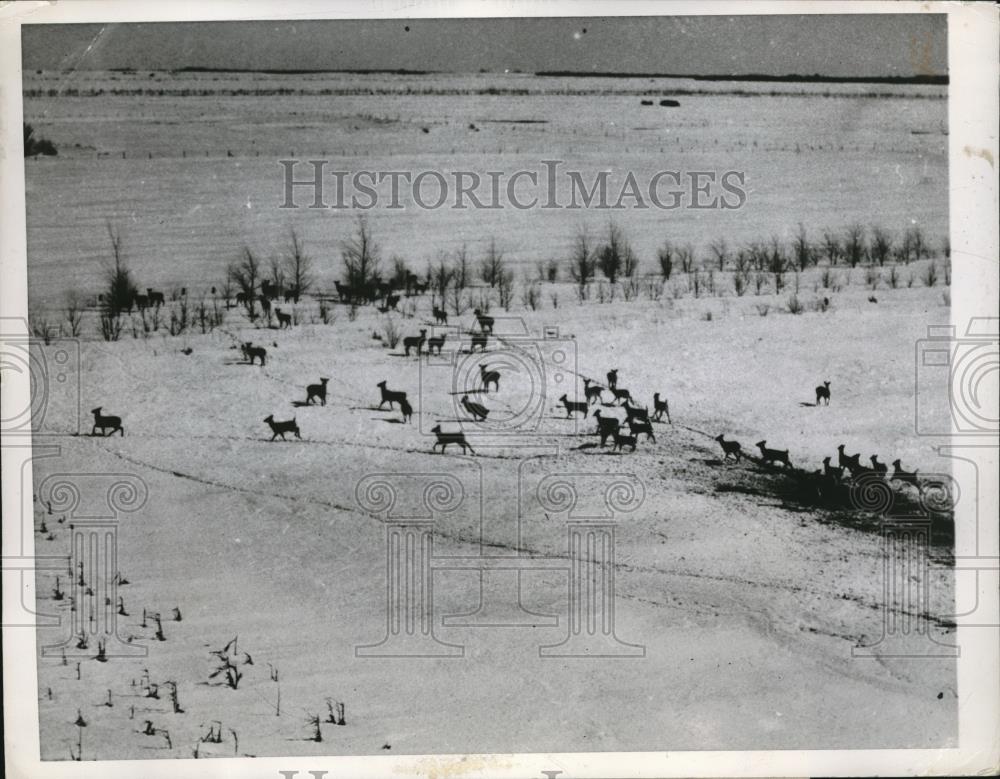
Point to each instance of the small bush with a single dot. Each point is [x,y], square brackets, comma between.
[763,309]
[794,305]
[391,334]
[893,277]
[930,275]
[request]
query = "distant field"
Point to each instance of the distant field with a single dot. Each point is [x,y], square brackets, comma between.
[159,166]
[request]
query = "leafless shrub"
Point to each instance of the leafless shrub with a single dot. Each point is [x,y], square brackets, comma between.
[759,282]
[492,266]
[685,256]
[41,325]
[73,314]
[630,288]
[530,294]
[763,309]
[872,277]
[893,277]
[946,297]
[326,313]
[739,284]
[720,253]
[794,305]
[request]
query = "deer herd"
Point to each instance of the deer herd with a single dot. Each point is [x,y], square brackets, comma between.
[621,432]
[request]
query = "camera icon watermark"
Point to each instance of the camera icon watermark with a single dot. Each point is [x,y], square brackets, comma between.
[41,379]
[957,380]
[500,382]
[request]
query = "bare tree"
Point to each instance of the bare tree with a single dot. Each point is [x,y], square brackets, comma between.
[299,267]
[462,271]
[440,276]
[665,256]
[616,256]
[854,244]
[582,262]
[362,261]
[881,246]
[720,252]
[801,248]
[832,247]
[245,274]
[120,289]
[492,266]
[505,288]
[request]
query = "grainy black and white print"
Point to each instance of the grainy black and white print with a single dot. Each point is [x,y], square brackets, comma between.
[494,385]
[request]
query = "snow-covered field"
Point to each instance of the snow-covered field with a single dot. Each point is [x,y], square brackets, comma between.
[747,604]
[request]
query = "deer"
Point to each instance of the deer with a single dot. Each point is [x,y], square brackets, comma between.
[832,471]
[284,320]
[443,439]
[105,423]
[877,466]
[280,428]
[612,379]
[898,474]
[485,322]
[265,304]
[846,461]
[436,342]
[390,396]
[637,426]
[607,427]
[406,409]
[251,352]
[478,340]
[572,405]
[623,440]
[774,455]
[621,395]
[592,391]
[155,298]
[477,411]
[660,407]
[823,393]
[489,377]
[730,448]
[317,391]
[415,342]
[634,412]
[440,316]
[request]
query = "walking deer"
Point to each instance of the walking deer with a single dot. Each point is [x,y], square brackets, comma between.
[105,423]
[444,439]
[280,428]
[774,455]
